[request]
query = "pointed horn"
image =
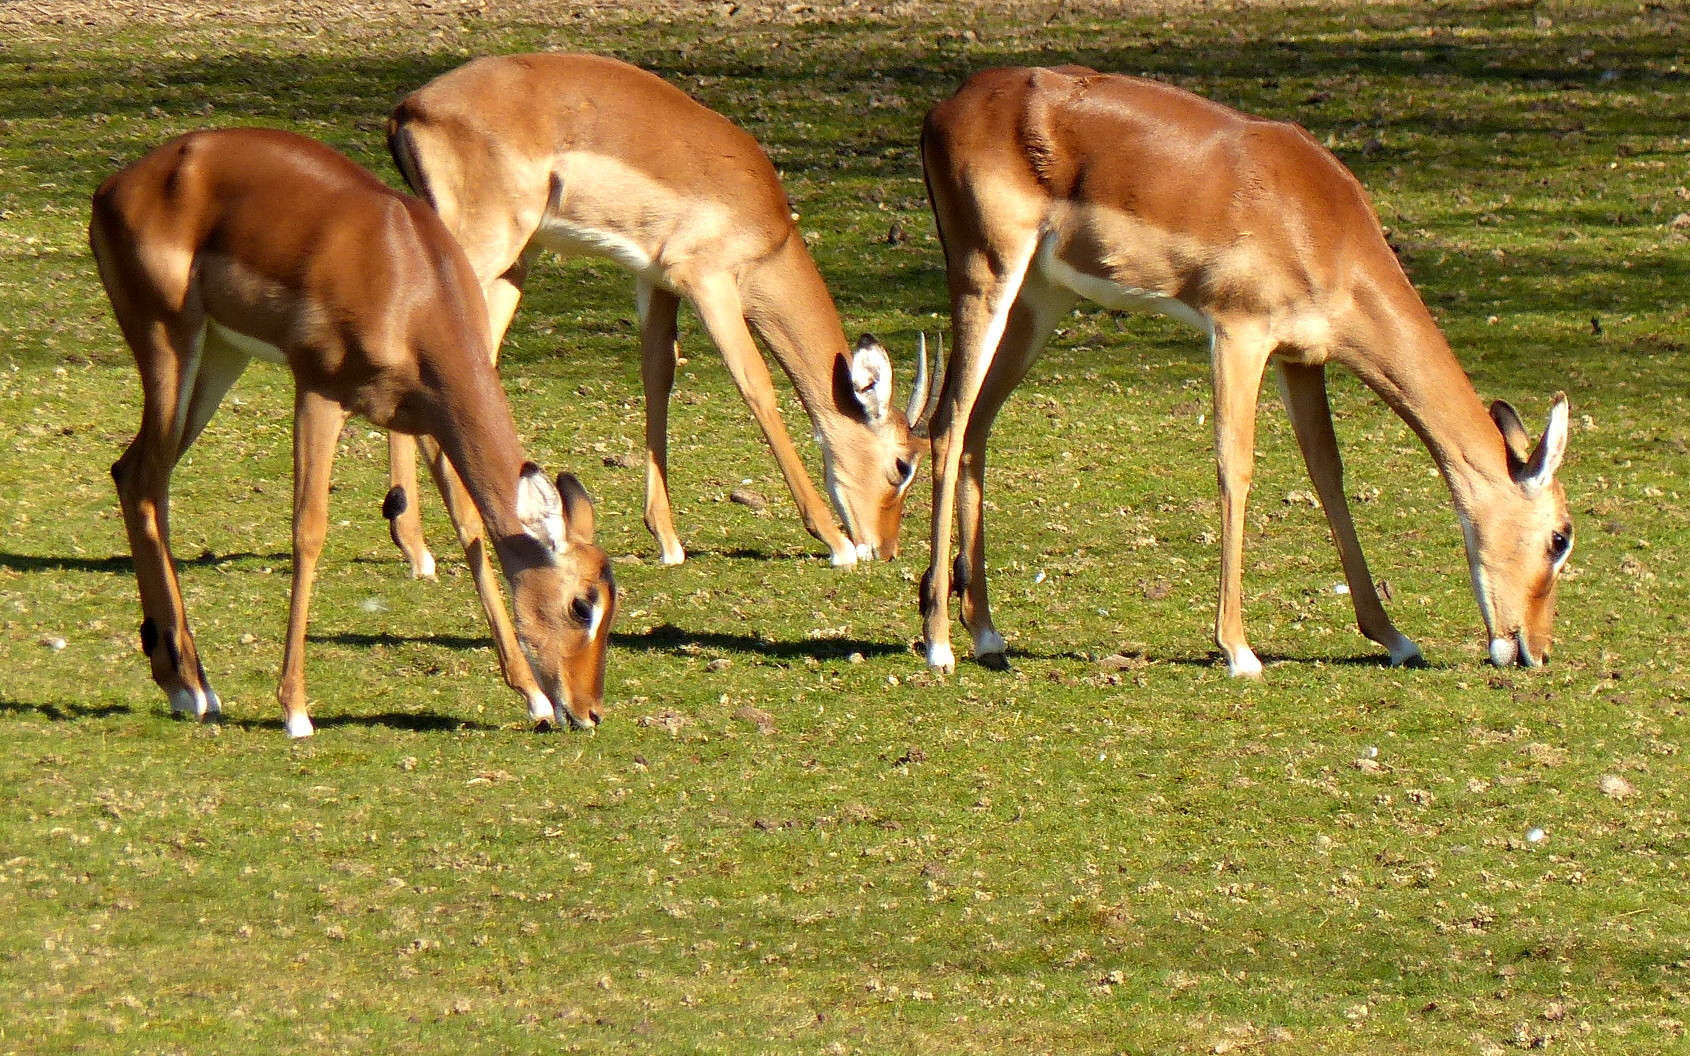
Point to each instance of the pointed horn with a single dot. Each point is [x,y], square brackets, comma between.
[918,390]
[932,392]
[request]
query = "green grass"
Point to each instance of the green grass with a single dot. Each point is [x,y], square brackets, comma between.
[816,847]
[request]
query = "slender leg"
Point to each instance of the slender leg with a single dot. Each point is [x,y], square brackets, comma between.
[316,429]
[168,358]
[658,308]
[1304,391]
[718,308]
[983,294]
[1238,360]
[466,519]
[403,505]
[1029,326]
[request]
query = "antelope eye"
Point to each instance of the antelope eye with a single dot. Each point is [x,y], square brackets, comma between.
[581,611]
[1559,544]
[906,470]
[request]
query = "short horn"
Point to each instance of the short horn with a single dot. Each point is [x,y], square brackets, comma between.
[918,389]
[929,391]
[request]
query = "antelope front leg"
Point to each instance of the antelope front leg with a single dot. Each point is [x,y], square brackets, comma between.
[1304,391]
[1237,366]
[1034,315]
[657,308]
[142,477]
[719,309]
[316,430]
[472,534]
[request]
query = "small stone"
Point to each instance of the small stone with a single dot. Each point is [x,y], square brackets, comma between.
[1616,787]
[747,497]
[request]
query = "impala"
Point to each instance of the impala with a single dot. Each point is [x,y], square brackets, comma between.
[224,246]
[587,155]
[1053,184]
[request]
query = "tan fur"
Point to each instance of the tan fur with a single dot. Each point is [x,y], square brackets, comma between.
[1049,185]
[218,244]
[583,154]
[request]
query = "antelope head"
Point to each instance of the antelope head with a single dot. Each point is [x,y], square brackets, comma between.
[871,460]
[1519,541]
[564,598]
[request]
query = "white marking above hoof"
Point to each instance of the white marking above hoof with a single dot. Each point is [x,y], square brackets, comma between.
[540,707]
[1244,665]
[195,704]
[1404,651]
[424,567]
[989,643]
[940,658]
[865,552]
[299,726]
[846,558]
[672,557]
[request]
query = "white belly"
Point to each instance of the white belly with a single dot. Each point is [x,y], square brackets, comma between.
[247,346]
[570,239]
[1114,295]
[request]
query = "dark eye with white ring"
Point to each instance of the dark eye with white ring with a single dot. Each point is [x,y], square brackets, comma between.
[906,471]
[1560,543]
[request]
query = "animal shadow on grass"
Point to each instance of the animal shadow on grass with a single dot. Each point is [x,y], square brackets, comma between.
[410,722]
[668,638]
[63,712]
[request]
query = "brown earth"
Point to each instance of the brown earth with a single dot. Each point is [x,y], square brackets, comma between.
[42,13]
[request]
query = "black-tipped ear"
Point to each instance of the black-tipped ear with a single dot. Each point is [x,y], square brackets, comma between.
[1514,436]
[577,509]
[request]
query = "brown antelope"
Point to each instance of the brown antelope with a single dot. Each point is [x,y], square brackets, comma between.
[1053,184]
[224,246]
[587,155]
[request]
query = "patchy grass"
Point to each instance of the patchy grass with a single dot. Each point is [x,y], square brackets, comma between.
[788,838]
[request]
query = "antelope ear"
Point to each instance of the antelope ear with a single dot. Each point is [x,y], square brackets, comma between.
[540,509]
[1540,469]
[1514,436]
[577,509]
[871,379]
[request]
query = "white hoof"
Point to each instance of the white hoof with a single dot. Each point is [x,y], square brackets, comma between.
[1244,665]
[846,558]
[989,643]
[299,726]
[1403,652]
[940,658]
[189,704]
[540,708]
[424,568]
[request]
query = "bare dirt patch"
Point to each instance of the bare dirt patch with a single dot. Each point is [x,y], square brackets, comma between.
[40,13]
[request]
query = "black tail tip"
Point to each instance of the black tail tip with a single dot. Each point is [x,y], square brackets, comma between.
[395,502]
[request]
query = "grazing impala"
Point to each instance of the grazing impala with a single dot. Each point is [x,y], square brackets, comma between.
[223,246]
[1053,184]
[587,155]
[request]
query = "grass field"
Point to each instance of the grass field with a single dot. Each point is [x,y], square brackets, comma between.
[788,837]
